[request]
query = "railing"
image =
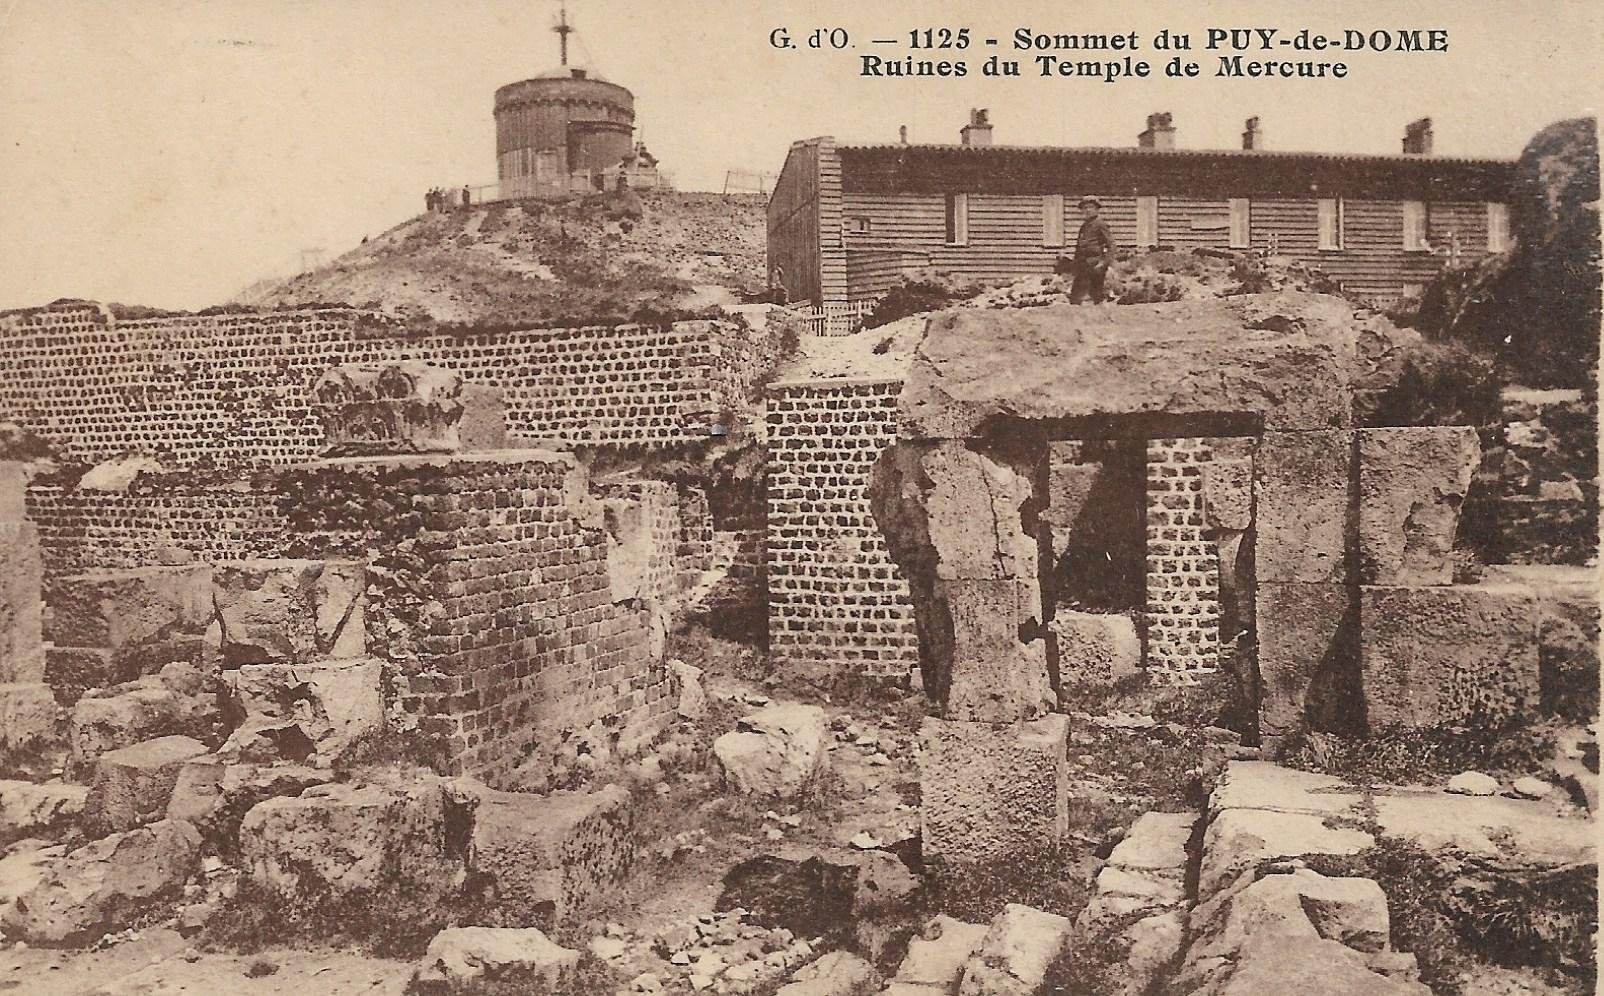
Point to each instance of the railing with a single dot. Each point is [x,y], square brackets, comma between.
[837,319]
[452,198]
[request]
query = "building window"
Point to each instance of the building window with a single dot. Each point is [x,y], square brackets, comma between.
[1414,227]
[957,219]
[1146,222]
[1052,220]
[1241,235]
[1497,227]
[1331,223]
[857,224]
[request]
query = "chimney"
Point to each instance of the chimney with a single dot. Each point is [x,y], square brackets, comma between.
[1252,134]
[978,130]
[902,134]
[1160,134]
[1417,138]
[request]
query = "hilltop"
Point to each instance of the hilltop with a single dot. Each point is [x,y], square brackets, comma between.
[600,258]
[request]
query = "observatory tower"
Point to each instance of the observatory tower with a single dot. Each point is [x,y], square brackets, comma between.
[567,130]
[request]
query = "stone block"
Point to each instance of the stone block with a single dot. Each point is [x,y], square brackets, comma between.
[104,884]
[1306,636]
[550,858]
[1013,957]
[1266,785]
[1303,495]
[322,707]
[1412,482]
[123,609]
[993,792]
[935,959]
[338,839]
[389,408]
[483,425]
[776,751]
[995,677]
[30,719]
[215,796]
[21,628]
[960,508]
[1096,646]
[459,955]
[1228,493]
[131,713]
[28,809]
[133,785]
[1432,656]
[273,610]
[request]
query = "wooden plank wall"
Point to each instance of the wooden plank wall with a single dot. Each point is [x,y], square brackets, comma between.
[1005,237]
[793,224]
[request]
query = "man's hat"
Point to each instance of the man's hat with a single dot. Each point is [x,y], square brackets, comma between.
[1089,199]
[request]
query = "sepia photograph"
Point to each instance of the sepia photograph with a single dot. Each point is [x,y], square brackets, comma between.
[829,498]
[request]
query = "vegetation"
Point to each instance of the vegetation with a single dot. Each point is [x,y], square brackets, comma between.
[1429,755]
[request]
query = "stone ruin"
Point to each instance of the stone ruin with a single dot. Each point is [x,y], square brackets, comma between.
[1265,533]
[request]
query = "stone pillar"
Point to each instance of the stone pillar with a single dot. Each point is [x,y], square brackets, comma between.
[993,768]
[28,715]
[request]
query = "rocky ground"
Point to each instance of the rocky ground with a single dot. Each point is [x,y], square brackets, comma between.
[767,845]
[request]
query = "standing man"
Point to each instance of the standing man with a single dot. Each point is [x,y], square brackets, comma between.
[1094,253]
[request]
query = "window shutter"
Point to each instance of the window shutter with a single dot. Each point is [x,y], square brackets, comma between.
[1330,223]
[1146,221]
[1241,235]
[957,219]
[1414,225]
[1052,220]
[1497,227]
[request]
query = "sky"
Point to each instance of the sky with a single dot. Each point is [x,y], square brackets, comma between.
[171,152]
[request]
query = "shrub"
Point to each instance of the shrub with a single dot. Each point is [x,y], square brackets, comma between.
[1438,383]
[911,297]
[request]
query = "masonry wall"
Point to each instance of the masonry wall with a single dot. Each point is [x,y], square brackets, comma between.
[1183,573]
[231,389]
[837,603]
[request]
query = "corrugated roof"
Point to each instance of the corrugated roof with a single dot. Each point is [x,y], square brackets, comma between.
[1128,150]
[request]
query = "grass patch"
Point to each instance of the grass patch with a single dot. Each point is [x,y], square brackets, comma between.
[1427,756]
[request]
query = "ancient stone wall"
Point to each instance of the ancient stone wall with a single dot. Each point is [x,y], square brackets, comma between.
[231,389]
[837,603]
[1183,576]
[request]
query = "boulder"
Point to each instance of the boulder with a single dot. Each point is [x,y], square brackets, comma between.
[547,859]
[338,839]
[215,796]
[1096,646]
[517,954]
[1013,957]
[30,720]
[838,973]
[23,867]
[140,710]
[777,751]
[292,710]
[100,886]
[275,610]
[1285,356]
[29,810]
[1412,482]
[1473,783]
[132,785]
[1309,966]
[1352,911]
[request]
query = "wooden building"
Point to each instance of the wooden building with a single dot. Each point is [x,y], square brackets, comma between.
[846,222]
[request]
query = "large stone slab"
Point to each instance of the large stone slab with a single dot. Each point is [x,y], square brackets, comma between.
[1307,645]
[133,784]
[1412,482]
[1013,957]
[295,611]
[1266,785]
[549,858]
[992,792]
[1438,655]
[1303,495]
[935,959]
[1239,839]
[1284,356]
[124,609]
[1516,831]
[100,886]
